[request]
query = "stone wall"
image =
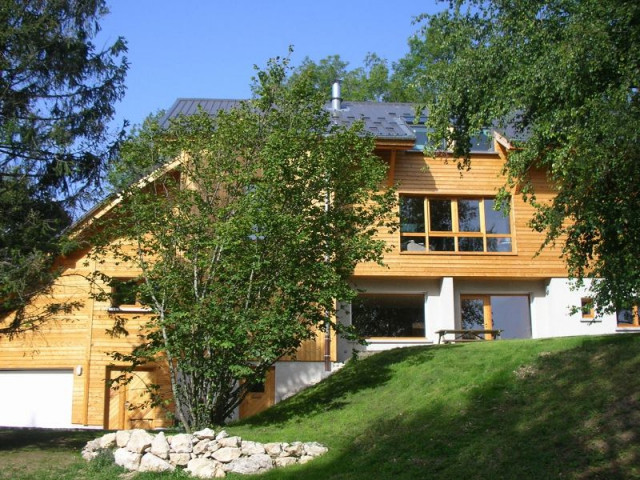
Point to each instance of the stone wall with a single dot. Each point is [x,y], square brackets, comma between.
[203,454]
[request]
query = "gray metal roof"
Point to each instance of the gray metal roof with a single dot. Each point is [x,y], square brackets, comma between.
[382,120]
[385,121]
[189,106]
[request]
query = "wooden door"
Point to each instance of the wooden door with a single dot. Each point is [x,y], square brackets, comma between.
[260,397]
[128,406]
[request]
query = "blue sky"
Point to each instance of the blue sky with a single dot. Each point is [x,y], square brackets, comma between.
[207,48]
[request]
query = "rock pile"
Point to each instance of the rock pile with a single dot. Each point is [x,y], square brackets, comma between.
[203,454]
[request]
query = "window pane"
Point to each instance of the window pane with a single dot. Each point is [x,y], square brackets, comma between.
[499,244]
[625,317]
[496,222]
[389,315]
[469,215]
[440,216]
[511,315]
[420,131]
[124,292]
[470,244]
[472,313]
[412,244]
[441,244]
[483,142]
[411,214]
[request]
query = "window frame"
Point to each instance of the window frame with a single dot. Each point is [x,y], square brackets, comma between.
[402,338]
[587,310]
[455,233]
[635,317]
[136,307]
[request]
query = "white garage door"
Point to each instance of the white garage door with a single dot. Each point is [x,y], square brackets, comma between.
[36,398]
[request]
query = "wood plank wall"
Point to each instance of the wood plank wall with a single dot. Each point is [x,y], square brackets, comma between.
[80,339]
[416,174]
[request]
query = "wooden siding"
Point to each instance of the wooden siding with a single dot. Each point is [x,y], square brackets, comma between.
[77,341]
[80,339]
[416,174]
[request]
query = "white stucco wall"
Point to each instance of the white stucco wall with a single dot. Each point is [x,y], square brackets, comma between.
[555,318]
[550,301]
[292,377]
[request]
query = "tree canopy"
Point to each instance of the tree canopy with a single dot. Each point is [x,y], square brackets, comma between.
[562,78]
[244,244]
[57,96]
[374,81]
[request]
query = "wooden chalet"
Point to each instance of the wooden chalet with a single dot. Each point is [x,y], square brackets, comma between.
[456,264]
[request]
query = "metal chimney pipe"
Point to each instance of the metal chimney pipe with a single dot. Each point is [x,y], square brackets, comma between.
[336,100]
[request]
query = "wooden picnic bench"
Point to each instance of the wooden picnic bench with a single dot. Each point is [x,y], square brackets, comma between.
[465,335]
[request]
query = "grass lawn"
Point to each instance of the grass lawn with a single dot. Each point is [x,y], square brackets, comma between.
[533,409]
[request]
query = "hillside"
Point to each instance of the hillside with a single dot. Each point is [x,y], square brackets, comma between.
[533,409]
[556,408]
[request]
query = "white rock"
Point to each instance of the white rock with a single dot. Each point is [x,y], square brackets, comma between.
[229,442]
[222,434]
[151,463]
[160,446]
[253,464]
[296,449]
[127,459]
[226,454]
[89,455]
[90,450]
[305,459]
[201,447]
[139,441]
[206,433]
[180,459]
[285,461]
[108,440]
[213,446]
[182,443]
[205,468]
[273,449]
[252,448]
[122,437]
[315,449]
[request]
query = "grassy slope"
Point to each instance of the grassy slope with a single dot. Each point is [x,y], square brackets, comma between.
[560,408]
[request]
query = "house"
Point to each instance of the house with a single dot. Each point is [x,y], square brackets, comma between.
[455,262]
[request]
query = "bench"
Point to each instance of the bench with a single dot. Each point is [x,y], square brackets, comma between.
[467,335]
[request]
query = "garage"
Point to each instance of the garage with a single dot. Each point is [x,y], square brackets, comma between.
[36,398]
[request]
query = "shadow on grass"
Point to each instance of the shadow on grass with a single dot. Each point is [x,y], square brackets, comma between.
[330,395]
[569,414]
[45,439]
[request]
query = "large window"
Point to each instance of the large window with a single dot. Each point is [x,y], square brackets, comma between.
[438,224]
[387,315]
[509,313]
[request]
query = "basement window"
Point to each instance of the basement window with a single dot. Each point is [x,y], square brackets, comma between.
[586,308]
[388,315]
[628,317]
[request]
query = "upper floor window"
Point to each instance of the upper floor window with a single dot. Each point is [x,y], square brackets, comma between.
[444,224]
[482,142]
[125,295]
